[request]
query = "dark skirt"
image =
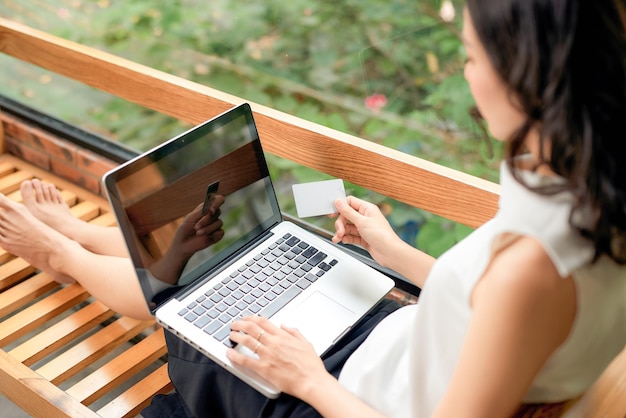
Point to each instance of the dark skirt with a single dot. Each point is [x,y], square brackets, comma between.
[204,389]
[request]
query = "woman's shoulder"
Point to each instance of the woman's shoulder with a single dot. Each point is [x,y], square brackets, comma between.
[522,263]
[544,218]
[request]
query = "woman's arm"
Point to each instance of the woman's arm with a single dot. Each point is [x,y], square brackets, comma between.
[110,279]
[332,400]
[362,223]
[196,232]
[289,362]
[522,312]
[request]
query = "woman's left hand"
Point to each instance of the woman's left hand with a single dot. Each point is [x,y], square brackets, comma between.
[285,358]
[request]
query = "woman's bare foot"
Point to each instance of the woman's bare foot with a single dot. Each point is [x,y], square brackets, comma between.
[46,203]
[23,235]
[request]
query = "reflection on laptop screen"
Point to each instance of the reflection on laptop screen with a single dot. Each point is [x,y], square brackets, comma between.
[167,190]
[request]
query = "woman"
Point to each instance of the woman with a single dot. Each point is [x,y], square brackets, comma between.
[528,308]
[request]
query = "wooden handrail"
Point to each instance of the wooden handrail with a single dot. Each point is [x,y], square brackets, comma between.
[414,181]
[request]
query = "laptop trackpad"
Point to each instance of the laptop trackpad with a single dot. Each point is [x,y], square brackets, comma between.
[321,320]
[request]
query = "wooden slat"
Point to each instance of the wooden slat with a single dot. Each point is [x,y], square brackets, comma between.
[11,182]
[85,210]
[61,333]
[411,180]
[131,402]
[39,396]
[36,395]
[14,271]
[67,364]
[118,370]
[39,313]
[59,182]
[6,168]
[20,295]
[69,197]
[106,219]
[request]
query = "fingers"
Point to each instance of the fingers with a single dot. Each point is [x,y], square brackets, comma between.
[208,229]
[212,212]
[347,215]
[346,209]
[353,209]
[253,325]
[283,356]
[215,236]
[340,230]
[293,332]
[218,201]
[209,223]
[351,216]
[253,329]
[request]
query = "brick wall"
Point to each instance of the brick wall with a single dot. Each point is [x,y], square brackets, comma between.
[54,154]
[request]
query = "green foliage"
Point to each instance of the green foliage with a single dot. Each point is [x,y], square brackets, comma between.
[318,60]
[437,235]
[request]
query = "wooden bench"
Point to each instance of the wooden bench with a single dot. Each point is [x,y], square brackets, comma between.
[61,349]
[43,390]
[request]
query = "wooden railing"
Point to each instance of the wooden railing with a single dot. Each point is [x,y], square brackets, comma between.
[437,189]
[414,181]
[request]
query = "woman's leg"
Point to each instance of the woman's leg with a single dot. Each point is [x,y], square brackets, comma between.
[110,279]
[208,390]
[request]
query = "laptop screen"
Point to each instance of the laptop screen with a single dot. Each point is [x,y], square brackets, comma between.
[216,172]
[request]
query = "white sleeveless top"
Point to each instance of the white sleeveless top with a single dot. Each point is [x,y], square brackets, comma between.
[404,367]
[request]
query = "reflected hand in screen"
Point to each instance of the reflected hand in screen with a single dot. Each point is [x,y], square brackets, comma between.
[197,231]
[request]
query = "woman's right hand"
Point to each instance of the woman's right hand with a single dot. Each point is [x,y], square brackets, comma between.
[362,223]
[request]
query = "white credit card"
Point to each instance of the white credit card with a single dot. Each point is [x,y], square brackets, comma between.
[318,197]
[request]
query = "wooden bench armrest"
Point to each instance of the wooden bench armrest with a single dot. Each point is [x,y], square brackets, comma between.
[35,394]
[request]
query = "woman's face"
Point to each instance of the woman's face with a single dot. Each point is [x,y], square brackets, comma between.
[489,91]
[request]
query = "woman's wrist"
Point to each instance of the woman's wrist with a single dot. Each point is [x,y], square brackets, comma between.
[411,263]
[331,399]
[316,388]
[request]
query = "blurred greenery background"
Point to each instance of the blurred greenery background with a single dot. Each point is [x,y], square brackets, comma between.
[390,71]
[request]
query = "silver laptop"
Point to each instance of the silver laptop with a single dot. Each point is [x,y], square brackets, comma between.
[197,285]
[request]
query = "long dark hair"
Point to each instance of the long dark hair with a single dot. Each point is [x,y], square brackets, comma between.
[565,63]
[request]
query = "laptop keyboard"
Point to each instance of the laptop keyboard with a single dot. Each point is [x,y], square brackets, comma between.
[262,286]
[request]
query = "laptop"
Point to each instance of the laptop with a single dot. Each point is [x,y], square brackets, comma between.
[255,264]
